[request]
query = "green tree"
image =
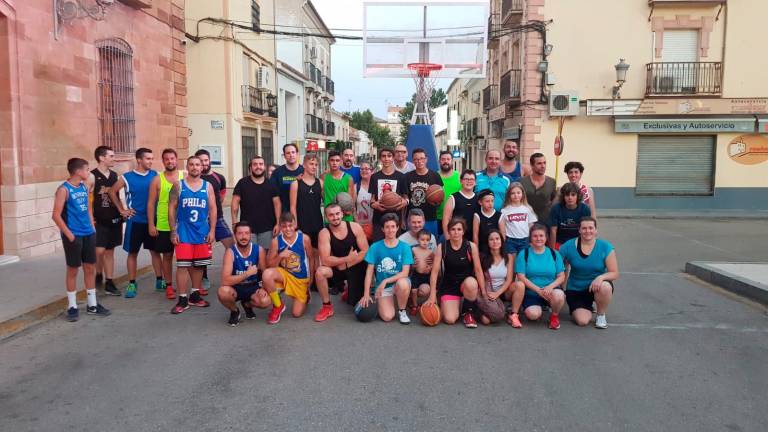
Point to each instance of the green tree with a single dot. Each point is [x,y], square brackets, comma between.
[437,99]
[364,121]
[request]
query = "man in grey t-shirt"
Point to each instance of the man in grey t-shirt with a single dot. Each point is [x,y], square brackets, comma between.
[416,224]
[540,189]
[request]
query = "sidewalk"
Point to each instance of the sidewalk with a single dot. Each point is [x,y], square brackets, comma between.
[746,279]
[681,214]
[33,289]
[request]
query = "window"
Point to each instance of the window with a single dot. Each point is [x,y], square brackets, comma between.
[675,165]
[255,16]
[116,121]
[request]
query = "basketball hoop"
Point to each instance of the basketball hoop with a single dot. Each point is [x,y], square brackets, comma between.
[425,77]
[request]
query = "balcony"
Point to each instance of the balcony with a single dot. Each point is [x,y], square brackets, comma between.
[490,97]
[315,125]
[315,75]
[253,101]
[511,11]
[494,29]
[684,79]
[686,2]
[509,86]
[329,86]
[330,128]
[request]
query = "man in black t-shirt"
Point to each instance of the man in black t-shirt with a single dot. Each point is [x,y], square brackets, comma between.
[286,174]
[388,179]
[109,223]
[260,203]
[418,181]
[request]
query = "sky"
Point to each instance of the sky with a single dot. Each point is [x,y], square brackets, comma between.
[353,92]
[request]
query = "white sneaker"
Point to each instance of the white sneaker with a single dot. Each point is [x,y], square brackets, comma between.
[404,317]
[600,322]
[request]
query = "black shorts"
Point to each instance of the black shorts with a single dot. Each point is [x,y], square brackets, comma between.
[136,235]
[451,285]
[245,291]
[419,279]
[162,243]
[581,299]
[338,278]
[109,236]
[355,276]
[82,250]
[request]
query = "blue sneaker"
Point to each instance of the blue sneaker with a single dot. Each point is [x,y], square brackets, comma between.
[72,314]
[160,285]
[130,290]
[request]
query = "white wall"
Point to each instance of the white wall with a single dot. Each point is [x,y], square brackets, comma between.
[290,105]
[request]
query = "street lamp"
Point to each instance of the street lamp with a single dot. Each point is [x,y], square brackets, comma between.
[271,101]
[621,76]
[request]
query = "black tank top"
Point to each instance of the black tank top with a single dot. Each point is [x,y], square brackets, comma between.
[457,263]
[104,210]
[484,228]
[465,208]
[341,247]
[308,202]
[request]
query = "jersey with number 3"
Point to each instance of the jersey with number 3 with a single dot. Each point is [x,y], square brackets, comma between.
[193,225]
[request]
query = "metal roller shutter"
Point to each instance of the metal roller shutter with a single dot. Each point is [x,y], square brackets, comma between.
[675,165]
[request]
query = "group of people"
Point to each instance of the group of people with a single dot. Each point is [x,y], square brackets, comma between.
[502,242]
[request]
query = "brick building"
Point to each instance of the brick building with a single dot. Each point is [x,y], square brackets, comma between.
[90,72]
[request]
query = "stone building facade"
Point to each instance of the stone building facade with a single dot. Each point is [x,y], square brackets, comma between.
[73,82]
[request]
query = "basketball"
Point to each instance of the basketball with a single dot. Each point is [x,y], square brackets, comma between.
[429,315]
[366,314]
[345,202]
[390,200]
[435,195]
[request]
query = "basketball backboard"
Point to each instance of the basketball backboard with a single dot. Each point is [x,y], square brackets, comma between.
[449,33]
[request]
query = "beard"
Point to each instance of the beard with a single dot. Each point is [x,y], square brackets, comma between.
[445,167]
[170,168]
[257,174]
[510,156]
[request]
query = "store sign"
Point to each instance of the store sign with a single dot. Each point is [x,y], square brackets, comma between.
[497,113]
[738,125]
[312,145]
[511,133]
[217,124]
[762,125]
[748,149]
[690,106]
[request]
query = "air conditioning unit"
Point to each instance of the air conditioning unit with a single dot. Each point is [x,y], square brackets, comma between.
[476,97]
[563,104]
[263,78]
[313,53]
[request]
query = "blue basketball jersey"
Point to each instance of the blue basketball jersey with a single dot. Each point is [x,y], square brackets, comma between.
[297,263]
[137,193]
[76,210]
[192,216]
[241,263]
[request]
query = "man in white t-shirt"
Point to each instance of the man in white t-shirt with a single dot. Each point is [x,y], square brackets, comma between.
[416,224]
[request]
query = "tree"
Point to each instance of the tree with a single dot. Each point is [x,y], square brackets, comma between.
[437,99]
[364,121]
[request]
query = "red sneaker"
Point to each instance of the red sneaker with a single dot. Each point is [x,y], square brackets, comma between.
[413,310]
[196,300]
[275,314]
[203,291]
[345,295]
[324,313]
[469,321]
[554,322]
[181,306]
[514,321]
[170,293]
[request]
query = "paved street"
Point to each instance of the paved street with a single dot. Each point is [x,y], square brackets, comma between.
[678,355]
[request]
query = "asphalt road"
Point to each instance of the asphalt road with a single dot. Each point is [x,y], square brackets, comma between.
[678,355]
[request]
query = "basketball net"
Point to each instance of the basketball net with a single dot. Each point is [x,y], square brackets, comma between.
[425,77]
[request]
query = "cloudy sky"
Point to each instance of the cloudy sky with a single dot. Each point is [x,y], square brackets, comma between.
[352,90]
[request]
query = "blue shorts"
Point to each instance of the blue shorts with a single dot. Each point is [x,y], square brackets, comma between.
[531,299]
[514,245]
[431,226]
[222,230]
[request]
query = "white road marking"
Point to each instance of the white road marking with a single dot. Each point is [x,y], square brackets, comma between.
[724,327]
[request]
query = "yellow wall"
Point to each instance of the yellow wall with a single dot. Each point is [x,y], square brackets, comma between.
[745,60]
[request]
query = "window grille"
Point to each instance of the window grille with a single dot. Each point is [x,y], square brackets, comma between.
[115,74]
[255,16]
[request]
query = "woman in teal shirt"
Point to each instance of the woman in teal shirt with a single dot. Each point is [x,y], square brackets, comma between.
[593,268]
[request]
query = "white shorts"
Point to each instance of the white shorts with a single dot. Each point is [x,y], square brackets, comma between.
[389,291]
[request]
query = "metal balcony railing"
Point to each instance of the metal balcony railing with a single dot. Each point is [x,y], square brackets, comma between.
[684,78]
[253,100]
[511,8]
[509,86]
[490,97]
[329,85]
[315,124]
[330,128]
[494,29]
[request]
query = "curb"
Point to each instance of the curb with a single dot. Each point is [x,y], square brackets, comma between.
[686,216]
[728,281]
[52,309]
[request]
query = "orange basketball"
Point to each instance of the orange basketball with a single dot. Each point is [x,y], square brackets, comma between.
[390,200]
[429,315]
[435,195]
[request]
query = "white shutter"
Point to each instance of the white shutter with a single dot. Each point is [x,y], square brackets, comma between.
[680,46]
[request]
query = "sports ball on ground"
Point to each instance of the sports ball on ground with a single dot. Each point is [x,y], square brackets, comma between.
[345,202]
[366,314]
[435,195]
[390,200]
[429,315]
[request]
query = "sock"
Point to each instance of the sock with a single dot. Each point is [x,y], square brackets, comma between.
[72,299]
[133,281]
[205,273]
[194,290]
[326,303]
[275,296]
[182,296]
[108,280]
[159,278]
[98,275]
[469,306]
[91,297]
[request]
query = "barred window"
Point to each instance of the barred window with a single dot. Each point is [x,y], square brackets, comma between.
[255,16]
[117,125]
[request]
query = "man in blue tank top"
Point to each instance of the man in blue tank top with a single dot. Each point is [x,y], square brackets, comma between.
[136,184]
[511,165]
[241,273]
[72,213]
[192,216]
